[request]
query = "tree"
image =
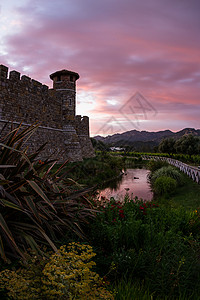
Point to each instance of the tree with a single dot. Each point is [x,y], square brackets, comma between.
[188,144]
[99,145]
[167,146]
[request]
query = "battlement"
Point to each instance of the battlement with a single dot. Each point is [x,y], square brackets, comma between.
[82,125]
[25,81]
[26,100]
[3,72]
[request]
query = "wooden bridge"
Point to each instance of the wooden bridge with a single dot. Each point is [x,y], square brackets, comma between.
[192,172]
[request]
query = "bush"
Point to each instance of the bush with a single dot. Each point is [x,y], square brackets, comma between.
[169,172]
[150,244]
[154,165]
[66,274]
[164,185]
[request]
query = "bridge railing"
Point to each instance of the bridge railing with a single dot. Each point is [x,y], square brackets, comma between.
[192,172]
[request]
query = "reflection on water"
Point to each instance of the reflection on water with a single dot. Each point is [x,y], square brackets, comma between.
[134,183]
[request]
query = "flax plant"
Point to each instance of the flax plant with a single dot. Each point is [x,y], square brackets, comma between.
[36,205]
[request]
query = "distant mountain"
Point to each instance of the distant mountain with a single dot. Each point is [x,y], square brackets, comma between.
[187,131]
[142,138]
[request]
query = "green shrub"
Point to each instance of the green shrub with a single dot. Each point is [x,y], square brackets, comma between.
[164,185]
[66,274]
[154,165]
[94,171]
[169,172]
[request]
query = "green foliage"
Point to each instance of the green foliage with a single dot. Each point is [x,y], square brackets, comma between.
[194,159]
[186,196]
[149,244]
[164,185]
[169,172]
[129,290]
[95,171]
[167,146]
[99,145]
[154,165]
[188,144]
[36,206]
[66,274]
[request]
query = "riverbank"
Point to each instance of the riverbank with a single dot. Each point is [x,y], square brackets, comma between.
[186,196]
[151,247]
[148,250]
[95,171]
[172,188]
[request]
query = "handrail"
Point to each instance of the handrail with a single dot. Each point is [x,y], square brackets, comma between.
[192,172]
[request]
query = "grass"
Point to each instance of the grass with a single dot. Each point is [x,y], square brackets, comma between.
[186,196]
[127,290]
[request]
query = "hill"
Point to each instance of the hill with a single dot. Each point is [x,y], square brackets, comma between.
[143,140]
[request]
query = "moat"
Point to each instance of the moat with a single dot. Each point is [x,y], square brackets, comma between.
[134,182]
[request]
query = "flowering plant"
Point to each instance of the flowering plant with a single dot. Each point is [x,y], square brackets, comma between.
[143,207]
[66,274]
[113,209]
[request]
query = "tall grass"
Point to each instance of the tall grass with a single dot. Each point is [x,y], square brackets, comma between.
[128,290]
[169,172]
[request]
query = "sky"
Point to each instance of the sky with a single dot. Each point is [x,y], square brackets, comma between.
[138,60]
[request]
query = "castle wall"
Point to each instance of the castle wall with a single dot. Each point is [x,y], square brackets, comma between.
[82,129]
[53,137]
[25,100]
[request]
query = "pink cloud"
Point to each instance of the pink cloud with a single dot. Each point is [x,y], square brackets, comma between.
[118,47]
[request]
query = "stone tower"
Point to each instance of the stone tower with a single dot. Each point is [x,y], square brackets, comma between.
[26,101]
[64,83]
[64,87]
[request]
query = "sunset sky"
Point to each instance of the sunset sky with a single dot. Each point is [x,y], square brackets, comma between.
[138,60]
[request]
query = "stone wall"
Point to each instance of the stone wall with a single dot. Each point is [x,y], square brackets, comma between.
[25,100]
[82,129]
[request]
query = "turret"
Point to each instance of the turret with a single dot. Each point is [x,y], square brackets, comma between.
[64,83]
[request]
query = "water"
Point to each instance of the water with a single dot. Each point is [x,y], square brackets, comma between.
[135,183]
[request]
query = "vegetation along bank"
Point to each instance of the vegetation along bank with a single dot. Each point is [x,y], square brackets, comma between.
[58,243]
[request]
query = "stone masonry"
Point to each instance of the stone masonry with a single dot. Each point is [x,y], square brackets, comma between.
[27,101]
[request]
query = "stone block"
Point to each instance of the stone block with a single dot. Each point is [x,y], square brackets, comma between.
[36,83]
[3,72]
[28,101]
[14,75]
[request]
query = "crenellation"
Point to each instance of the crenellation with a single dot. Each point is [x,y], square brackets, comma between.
[78,119]
[45,88]
[25,79]
[3,72]
[28,101]
[14,75]
[36,83]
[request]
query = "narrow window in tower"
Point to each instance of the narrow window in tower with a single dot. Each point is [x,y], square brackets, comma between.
[71,78]
[58,78]
[70,101]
